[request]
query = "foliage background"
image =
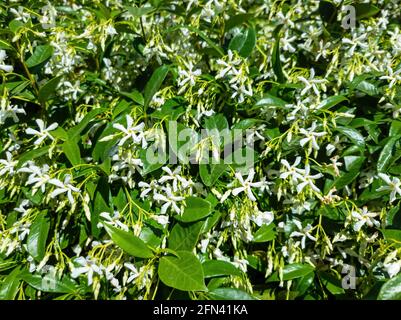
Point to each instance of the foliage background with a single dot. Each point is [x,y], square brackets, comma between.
[88,85]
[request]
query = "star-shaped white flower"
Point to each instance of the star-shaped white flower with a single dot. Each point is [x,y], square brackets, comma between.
[394,186]
[247,184]
[131,132]
[43,132]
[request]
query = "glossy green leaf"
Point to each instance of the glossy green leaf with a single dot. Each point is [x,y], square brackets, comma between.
[36,242]
[386,154]
[244,42]
[230,294]
[154,83]
[72,152]
[48,90]
[217,268]
[129,242]
[183,272]
[10,284]
[50,282]
[195,209]
[40,55]
[365,10]
[184,236]
[210,173]
[391,290]
[265,233]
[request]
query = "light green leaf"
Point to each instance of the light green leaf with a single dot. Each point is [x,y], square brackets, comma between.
[195,209]
[183,272]
[184,236]
[386,154]
[210,173]
[128,242]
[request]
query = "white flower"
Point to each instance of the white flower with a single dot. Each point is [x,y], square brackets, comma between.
[43,131]
[110,30]
[147,187]
[393,185]
[3,66]
[38,176]
[173,176]
[133,274]
[64,187]
[162,219]
[302,232]
[247,184]
[263,218]
[311,136]
[133,132]
[114,220]
[8,165]
[293,172]
[392,76]
[9,111]
[364,217]
[187,76]
[309,180]
[86,266]
[169,200]
[20,14]
[311,83]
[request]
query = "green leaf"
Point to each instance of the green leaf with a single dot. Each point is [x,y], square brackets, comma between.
[229,294]
[184,236]
[265,233]
[244,42]
[365,10]
[216,122]
[135,96]
[48,89]
[9,287]
[292,271]
[276,62]
[210,173]
[183,272]
[391,290]
[36,242]
[50,282]
[75,131]
[139,11]
[195,209]
[72,152]
[386,154]
[392,236]
[331,102]
[154,83]
[150,167]
[217,268]
[354,136]
[41,54]
[270,100]
[128,242]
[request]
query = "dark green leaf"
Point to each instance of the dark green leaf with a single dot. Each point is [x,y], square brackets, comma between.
[217,268]
[41,54]
[36,242]
[154,83]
